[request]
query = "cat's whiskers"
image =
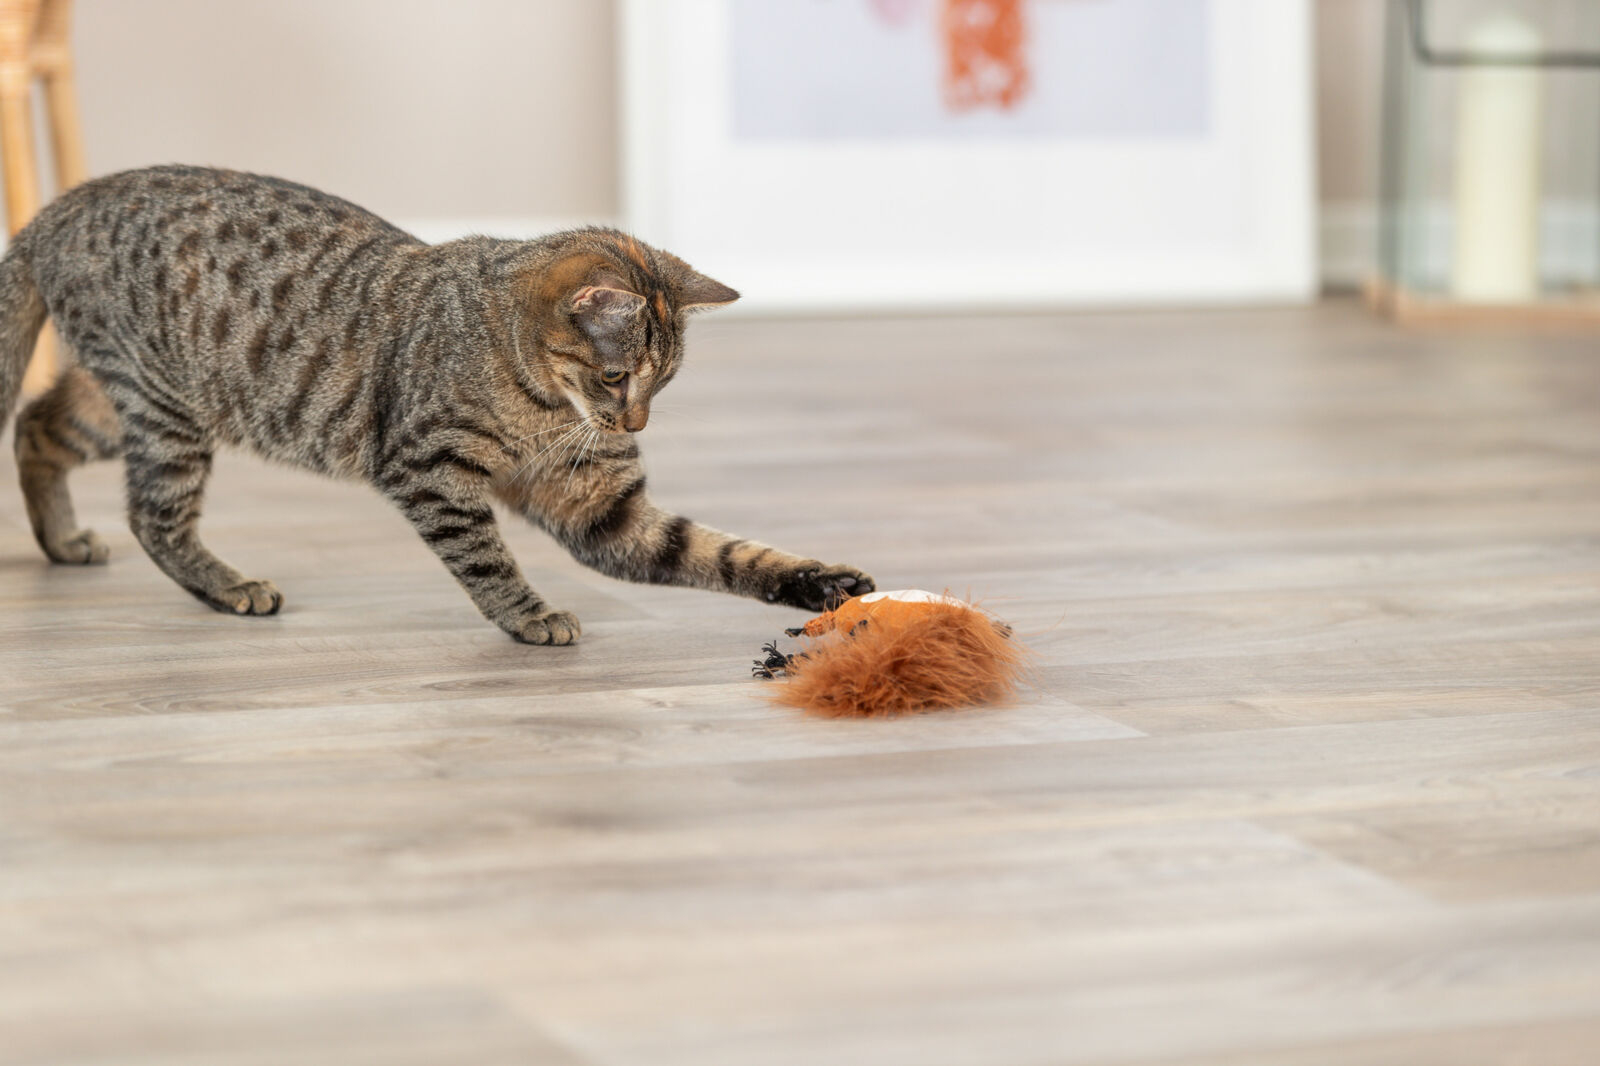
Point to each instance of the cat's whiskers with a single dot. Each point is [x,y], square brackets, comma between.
[543,432]
[560,445]
[572,429]
[584,449]
[589,444]
[568,456]
[573,442]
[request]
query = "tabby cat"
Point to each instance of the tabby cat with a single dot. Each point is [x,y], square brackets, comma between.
[208,307]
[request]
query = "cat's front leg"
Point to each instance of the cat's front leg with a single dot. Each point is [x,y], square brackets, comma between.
[625,536]
[455,520]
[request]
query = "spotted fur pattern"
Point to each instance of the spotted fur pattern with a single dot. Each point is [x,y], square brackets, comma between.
[209,308]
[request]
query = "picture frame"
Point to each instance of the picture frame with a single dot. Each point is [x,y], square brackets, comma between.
[801,223]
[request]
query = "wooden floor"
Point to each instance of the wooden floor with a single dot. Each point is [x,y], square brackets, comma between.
[1311,774]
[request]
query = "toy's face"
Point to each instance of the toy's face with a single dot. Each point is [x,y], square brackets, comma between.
[897,607]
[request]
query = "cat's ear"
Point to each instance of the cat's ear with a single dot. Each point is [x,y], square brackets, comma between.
[601,308]
[697,292]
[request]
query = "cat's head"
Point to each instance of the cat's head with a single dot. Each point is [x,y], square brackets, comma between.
[611,312]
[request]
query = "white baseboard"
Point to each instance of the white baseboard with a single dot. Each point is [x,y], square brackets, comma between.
[1347,237]
[1347,243]
[1569,242]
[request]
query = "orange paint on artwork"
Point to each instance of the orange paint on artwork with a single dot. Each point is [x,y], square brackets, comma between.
[986,63]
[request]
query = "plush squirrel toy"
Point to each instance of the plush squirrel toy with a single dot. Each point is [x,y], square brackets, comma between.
[890,653]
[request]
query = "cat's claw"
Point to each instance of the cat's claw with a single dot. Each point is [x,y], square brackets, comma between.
[815,587]
[553,627]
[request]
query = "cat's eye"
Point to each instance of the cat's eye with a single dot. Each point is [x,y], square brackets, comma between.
[613,377]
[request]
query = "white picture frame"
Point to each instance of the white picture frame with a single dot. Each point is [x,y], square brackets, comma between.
[1226,216]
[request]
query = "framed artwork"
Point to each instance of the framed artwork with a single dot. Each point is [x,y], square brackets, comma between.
[856,154]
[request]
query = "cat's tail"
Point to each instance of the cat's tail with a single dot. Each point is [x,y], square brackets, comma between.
[22,315]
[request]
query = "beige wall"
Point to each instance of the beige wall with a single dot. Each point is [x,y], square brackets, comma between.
[1349,58]
[481,109]
[415,108]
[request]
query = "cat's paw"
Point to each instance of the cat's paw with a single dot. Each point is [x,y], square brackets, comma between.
[815,587]
[83,548]
[552,627]
[248,597]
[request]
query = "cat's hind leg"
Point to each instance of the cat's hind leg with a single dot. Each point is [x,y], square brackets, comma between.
[168,462]
[72,424]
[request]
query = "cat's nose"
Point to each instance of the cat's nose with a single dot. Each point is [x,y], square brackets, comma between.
[634,419]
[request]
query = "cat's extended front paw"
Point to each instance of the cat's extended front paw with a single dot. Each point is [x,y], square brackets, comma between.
[815,587]
[552,627]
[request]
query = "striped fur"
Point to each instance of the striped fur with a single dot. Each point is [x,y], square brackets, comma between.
[209,308]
